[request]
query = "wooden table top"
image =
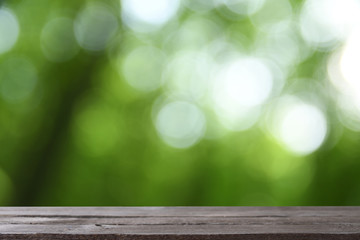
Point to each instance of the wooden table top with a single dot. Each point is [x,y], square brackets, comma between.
[180,223]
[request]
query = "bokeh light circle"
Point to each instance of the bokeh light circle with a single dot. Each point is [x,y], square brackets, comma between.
[244,7]
[143,67]
[58,42]
[145,16]
[94,26]
[299,126]
[246,81]
[239,89]
[9,29]
[180,124]
[349,62]
[344,75]
[325,22]
[188,74]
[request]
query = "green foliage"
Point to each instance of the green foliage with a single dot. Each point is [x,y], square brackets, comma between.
[79,127]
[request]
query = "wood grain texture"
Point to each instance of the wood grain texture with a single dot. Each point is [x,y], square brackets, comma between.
[181,223]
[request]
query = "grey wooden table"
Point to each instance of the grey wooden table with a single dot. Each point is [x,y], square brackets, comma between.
[180,223]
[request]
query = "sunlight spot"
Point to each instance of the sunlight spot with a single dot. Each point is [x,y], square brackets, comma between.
[324,22]
[180,124]
[194,34]
[9,30]
[239,119]
[344,74]
[94,26]
[188,74]
[248,82]
[239,88]
[349,63]
[145,16]
[285,49]
[336,75]
[299,126]
[244,7]
[142,68]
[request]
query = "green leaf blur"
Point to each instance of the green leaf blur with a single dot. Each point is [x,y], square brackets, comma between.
[179,102]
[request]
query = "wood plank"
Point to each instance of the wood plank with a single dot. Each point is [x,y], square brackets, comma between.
[200,223]
[180,211]
[182,220]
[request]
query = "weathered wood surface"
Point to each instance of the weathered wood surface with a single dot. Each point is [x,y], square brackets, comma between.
[181,223]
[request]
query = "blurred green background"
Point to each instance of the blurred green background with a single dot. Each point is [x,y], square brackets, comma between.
[179,102]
